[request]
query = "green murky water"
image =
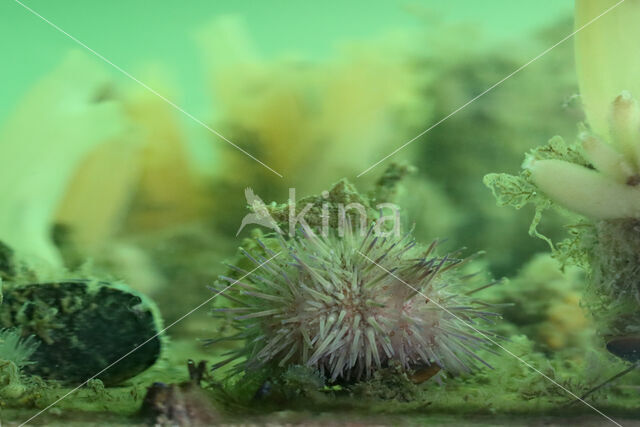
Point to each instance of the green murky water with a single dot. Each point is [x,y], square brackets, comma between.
[151,155]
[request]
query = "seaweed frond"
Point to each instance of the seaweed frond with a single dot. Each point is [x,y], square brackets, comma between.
[519,190]
[16,349]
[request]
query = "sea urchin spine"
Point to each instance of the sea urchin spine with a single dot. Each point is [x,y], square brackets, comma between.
[324,304]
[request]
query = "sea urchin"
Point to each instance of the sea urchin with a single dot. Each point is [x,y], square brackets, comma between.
[323,303]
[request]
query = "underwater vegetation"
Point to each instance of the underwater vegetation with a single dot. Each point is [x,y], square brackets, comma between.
[79,114]
[598,175]
[336,305]
[554,323]
[492,135]
[15,354]
[595,178]
[300,112]
[16,349]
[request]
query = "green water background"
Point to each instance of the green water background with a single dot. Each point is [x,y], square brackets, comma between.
[133,34]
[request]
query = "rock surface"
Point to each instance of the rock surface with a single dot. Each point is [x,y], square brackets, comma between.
[84,327]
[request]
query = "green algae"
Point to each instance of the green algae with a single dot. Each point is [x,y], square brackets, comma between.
[542,321]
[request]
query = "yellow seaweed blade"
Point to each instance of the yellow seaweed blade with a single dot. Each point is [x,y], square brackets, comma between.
[151,164]
[99,195]
[297,113]
[168,189]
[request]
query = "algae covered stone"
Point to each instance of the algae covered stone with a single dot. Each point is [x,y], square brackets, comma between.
[84,327]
